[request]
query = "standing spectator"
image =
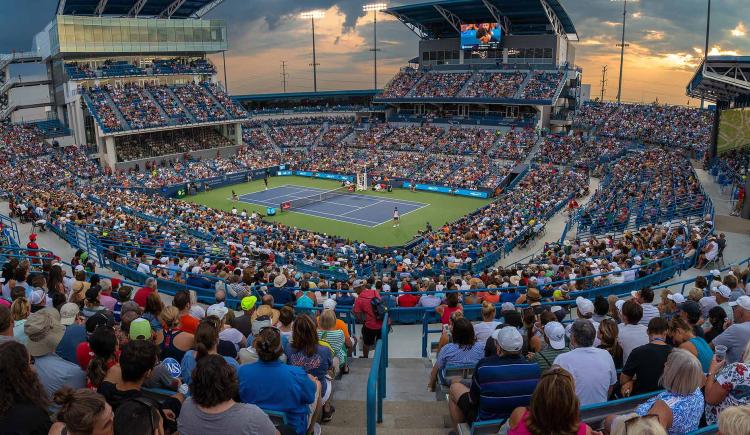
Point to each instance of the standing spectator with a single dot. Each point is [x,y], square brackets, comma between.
[45,332]
[23,399]
[727,385]
[363,309]
[82,412]
[593,369]
[645,364]
[211,407]
[554,408]
[680,407]
[683,337]
[631,333]
[500,382]
[271,384]
[554,336]
[736,337]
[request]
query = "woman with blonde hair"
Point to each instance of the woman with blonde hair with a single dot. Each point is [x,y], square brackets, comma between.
[176,342]
[483,329]
[554,408]
[19,312]
[734,421]
[328,332]
[613,311]
[635,424]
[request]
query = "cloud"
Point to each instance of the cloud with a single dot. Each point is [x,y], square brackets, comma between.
[636,15]
[654,35]
[740,30]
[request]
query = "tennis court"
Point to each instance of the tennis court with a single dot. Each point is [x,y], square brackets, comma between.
[365,210]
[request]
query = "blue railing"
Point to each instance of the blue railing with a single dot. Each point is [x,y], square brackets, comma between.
[376,380]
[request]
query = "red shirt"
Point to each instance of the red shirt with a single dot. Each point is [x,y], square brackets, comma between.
[188,323]
[363,305]
[84,355]
[408,300]
[141,295]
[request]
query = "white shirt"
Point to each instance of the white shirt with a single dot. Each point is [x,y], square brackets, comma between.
[630,337]
[713,251]
[649,312]
[593,370]
[482,330]
[144,268]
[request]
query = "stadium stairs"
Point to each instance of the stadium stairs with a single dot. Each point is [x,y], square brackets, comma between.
[408,408]
[267,131]
[522,86]
[468,83]
[216,101]
[116,110]
[147,94]
[185,109]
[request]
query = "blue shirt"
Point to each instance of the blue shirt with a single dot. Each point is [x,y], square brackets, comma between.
[686,410]
[316,364]
[188,364]
[705,354]
[74,335]
[55,373]
[278,387]
[454,355]
[280,295]
[501,384]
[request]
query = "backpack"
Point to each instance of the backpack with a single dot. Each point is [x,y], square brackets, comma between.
[378,309]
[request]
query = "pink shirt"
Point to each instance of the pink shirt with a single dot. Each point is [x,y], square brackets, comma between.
[521,428]
[363,305]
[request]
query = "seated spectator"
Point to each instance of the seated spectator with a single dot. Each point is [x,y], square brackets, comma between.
[690,312]
[593,369]
[211,407]
[464,350]
[105,347]
[634,423]
[452,304]
[82,412]
[188,323]
[645,297]
[500,383]
[554,337]
[727,385]
[608,336]
[716,319]
[175,342]
[631,333]
[680,407]
[316,359]
[271,384]
[553,408]
[736,337]
[329,332]
[139,416]
[24,401]
[206,343]
[734,420]
[645,364]
[683,337]
[483,329]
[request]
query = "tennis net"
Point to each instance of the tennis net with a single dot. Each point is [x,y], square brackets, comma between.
[301,202]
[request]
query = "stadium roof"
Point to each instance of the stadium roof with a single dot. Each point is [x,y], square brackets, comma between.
[721,79]
[132,8]
[296,95]
[441,18]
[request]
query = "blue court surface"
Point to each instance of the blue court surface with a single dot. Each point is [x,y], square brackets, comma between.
[365,210]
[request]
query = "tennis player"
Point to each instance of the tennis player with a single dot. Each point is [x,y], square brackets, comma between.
[265,180]
[396,217]
[234,196]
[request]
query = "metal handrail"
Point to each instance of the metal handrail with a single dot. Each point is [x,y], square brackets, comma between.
[376,380]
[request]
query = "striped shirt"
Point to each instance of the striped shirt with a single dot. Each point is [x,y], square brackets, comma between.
[336,339]
[454,355]
[501,384]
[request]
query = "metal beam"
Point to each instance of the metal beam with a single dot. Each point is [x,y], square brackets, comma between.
[60,7]
[498,16]
[450,17]
[418,29]
[171,9]
[137,8]
[206,9]
[554,21]
[99,11]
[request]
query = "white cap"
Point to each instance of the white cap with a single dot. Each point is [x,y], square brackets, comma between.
[723,290]
[329,304]
[715,272]
[196,270]
[197,312]
[79,268]
[584,305]
[219,310]
[677,298]
[634,293]
[555,333]
[508,338]
[742,301]
[507,306]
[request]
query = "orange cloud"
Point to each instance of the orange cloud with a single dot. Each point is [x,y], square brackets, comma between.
[740,30]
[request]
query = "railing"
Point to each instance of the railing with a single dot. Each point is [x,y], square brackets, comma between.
[376,380]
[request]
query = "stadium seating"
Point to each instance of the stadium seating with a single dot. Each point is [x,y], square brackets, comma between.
[494,85]
[402,83]
[542,85]
[437,85]
[578,151]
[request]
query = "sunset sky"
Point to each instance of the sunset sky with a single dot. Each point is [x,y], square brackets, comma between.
[666,40]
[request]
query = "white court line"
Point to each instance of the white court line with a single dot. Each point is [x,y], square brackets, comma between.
[362,208]
[401,216]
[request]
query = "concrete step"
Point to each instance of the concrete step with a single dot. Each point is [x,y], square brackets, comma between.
[398,417]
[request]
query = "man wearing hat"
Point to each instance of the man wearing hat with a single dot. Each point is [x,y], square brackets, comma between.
[45,332]
[280,294]
[554,335]
[75,332]
[585,311]
[500,382]
[244,323]
[266,309]
[722,294]
[592,368]
[736,337]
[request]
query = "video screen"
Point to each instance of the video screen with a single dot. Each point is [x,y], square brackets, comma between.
[734,130]
[480,36]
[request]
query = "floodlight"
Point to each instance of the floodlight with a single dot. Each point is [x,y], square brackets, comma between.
[312,14]
[374,7]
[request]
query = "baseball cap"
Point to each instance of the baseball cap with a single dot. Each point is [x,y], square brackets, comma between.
[723,291]
[691,308]
[140,329]
[358,283]
[715,273]
[584,305]
[97,320]
[677,298]
[44,331]
[508,338]
[198,312]
[329,304]
[248,302]
[218,310]
[68,313]
[742,301]
[507,306]
[555,333]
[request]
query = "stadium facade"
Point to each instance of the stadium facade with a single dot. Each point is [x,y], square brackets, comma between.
[124,72]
